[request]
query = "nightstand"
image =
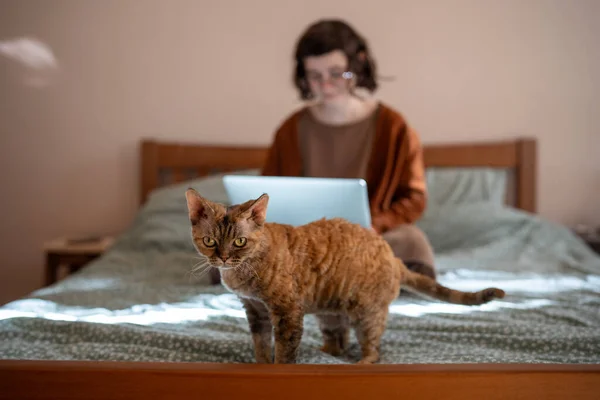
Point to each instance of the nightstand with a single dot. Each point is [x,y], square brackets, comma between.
[593,242]
[71,254]
[592,239]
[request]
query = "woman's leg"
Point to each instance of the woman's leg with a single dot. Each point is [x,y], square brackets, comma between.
[410,244]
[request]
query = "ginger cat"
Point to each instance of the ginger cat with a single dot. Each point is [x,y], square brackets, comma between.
[345,274]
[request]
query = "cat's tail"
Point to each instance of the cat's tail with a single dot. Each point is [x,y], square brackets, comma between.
[426,285]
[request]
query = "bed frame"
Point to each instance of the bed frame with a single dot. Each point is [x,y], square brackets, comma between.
[165,163]
[168,163]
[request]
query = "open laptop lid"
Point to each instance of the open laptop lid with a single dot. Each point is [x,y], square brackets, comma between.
[298,200]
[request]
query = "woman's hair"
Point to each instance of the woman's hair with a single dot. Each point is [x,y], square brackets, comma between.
[325,36]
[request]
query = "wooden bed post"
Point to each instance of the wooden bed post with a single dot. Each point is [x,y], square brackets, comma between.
[149,168]
[526,173]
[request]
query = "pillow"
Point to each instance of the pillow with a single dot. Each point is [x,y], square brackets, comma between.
[466,185]
[446,186]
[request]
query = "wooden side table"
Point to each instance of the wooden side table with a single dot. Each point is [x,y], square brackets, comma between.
[73,255]
[593,242]
[591,239]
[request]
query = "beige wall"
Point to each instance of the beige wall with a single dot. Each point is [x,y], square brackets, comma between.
[465,70]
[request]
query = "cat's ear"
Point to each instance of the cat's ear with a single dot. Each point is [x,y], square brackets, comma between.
[258,210]
[198,207]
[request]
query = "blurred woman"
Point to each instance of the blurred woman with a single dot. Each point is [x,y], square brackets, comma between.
[343,132]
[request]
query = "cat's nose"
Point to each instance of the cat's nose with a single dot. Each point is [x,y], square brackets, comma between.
[224,258]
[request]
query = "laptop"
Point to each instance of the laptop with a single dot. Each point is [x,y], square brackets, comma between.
[298,200]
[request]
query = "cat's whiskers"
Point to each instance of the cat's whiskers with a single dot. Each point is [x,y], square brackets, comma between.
[189,276]
[203,266]
[200,265]
[192,275]
[203,273]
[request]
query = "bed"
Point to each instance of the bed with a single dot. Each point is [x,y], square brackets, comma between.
[134,323]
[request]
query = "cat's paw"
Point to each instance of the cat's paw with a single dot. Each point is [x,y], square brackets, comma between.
[365,361]
[332,349]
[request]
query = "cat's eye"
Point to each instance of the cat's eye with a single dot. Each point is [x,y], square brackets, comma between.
[208,242]
[240,242]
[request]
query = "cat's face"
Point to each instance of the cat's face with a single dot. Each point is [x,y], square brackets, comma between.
[226,236]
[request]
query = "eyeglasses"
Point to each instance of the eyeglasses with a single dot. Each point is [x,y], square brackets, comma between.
[335,77]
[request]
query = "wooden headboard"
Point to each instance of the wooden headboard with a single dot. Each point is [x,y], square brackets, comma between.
[164,163]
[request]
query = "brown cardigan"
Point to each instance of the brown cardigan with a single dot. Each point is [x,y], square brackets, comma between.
[395,172]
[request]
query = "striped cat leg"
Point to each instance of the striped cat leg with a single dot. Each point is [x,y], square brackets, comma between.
[369,327]
[261,328]
[288,327]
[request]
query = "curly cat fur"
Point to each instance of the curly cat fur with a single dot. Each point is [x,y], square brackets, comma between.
[343,273]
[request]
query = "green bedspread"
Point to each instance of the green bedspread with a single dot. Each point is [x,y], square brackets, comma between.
[139,303]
